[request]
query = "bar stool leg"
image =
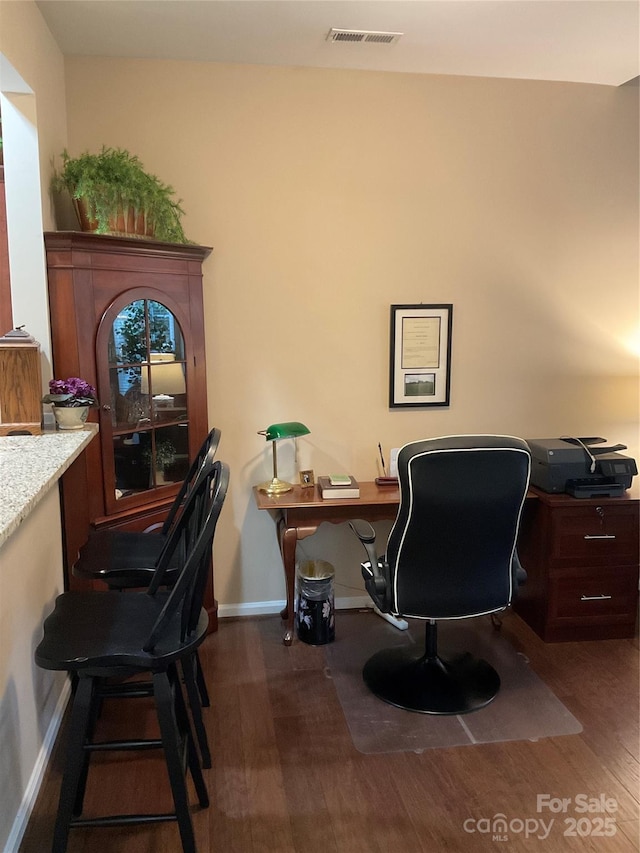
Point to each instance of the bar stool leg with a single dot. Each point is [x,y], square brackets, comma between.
[75,762]
[190,676]
[192,756]
[163,695]
[92,720]
[202,684]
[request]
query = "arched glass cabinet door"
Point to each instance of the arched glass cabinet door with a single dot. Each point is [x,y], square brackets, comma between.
[142,386]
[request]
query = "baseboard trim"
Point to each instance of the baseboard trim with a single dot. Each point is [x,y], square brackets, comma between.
[265,608]
[35,780]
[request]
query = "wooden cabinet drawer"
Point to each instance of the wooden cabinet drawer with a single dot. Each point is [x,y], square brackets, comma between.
[581,558]
[594,597]
[594,536]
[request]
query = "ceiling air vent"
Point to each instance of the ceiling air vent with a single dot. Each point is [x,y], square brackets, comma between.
[362,36]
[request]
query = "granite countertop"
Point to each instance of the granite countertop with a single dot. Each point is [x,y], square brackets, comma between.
[30,465]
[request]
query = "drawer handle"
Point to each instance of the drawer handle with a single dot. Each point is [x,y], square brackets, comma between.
[602,536]
[595,597]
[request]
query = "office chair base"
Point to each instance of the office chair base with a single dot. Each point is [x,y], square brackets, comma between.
[397,621]
[411,680]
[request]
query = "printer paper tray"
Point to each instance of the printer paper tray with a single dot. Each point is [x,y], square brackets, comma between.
[595,490]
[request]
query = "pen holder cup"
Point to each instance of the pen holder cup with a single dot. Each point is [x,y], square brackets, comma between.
[315,613]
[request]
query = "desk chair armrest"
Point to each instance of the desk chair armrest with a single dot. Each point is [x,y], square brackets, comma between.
[367,535]
[375,571]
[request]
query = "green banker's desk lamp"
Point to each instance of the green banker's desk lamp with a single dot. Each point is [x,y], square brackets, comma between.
[274,433]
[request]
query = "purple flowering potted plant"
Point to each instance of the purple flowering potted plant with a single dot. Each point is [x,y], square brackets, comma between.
[71,400]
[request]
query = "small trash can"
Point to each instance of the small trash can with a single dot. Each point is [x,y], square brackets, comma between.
[315,616]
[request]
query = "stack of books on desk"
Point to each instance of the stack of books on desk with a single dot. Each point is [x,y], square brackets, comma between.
[342,486]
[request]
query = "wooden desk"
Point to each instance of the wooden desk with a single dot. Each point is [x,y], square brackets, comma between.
[300,512]
[581,555]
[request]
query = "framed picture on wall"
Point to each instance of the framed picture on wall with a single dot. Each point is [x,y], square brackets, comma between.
[420,350]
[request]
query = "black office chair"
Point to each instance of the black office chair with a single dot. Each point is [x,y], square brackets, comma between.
[100,635]
[452,555]
[126,559]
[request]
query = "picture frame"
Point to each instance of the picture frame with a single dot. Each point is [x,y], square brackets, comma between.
[307,479]
[420,355]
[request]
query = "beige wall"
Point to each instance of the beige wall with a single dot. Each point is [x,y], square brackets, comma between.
[329,195]
[31,563]
[26,42]
[34,128]
[31,560]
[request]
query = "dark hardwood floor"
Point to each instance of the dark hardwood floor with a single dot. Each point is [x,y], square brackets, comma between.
[286,777]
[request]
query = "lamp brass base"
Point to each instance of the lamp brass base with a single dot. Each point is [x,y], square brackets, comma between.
[275,487]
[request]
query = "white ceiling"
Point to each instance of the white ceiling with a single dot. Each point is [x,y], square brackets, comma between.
[582,41]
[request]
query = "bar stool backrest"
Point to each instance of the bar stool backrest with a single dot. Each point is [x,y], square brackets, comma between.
[207,450]
[192,538]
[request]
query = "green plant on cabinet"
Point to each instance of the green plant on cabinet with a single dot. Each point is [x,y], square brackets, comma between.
[114,184]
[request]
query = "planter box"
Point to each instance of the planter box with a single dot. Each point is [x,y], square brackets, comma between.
[129,224]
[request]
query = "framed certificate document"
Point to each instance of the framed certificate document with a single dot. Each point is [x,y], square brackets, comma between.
[420,349]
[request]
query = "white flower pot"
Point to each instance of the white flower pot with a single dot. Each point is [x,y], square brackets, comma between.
[70,417]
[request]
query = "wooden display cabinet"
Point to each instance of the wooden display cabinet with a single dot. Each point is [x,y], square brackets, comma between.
[127,316]
[581,559]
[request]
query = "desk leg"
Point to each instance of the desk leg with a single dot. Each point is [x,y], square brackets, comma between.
[288,538]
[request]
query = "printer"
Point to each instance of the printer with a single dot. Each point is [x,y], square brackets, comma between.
[582,467]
